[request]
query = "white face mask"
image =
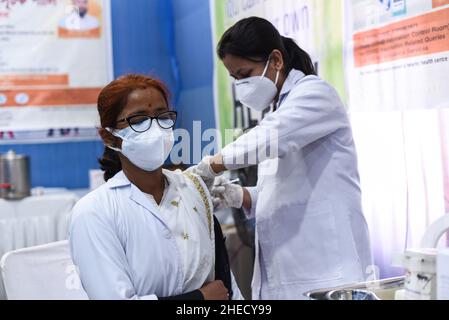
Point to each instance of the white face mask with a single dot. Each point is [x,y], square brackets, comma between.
[147,150]
[257,92]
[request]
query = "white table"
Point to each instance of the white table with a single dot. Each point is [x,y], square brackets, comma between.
[34,221]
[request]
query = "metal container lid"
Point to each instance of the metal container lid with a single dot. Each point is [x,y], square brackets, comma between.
[351,294]
[12,155]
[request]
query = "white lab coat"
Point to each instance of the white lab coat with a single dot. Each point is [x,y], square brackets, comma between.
[126,247]
[310,229]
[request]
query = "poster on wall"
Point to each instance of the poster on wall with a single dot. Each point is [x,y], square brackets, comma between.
[55,56]
[397,75]
[399,48]
[316,26]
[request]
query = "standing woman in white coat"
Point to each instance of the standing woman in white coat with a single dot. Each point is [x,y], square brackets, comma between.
[310,229]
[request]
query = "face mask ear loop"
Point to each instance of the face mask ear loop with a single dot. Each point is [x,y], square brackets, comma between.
[266,67]
[114,148]
[278,73]
[113,133]
[110,130]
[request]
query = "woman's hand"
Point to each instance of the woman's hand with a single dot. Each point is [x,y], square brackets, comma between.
[227,195]
[215,290]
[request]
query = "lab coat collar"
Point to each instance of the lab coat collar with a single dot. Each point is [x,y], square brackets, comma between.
[174,177]
[292,79]
[119,180]
[141,199]
[135,194]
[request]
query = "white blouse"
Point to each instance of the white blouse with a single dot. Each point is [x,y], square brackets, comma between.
[182,221]
[128,247]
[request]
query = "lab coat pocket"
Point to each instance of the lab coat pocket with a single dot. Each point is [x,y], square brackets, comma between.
[306,244]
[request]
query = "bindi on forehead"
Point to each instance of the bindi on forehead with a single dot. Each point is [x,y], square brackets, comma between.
[148,101]
[146,97]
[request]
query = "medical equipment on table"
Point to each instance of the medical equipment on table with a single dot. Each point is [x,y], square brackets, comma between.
[421,264]
[420,282]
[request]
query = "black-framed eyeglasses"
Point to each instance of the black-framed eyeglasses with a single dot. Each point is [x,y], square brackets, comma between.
[142,122]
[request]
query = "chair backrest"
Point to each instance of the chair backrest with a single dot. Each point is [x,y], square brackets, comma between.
[41,273]
[435,231]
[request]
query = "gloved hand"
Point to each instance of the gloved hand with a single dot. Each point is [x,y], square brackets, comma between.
[226,195]
[204,170]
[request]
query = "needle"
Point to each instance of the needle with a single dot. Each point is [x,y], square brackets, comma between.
[231,182]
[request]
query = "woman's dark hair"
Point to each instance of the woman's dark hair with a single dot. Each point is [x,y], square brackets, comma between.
[255,39]
[111,101]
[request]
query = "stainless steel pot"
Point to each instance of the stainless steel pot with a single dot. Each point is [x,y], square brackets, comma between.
[14,176]
[384,289]
[351,294]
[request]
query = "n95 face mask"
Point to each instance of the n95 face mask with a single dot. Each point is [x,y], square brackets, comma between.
[147,150]
[257,92]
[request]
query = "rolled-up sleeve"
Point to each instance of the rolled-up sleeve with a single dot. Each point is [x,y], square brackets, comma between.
[100,257]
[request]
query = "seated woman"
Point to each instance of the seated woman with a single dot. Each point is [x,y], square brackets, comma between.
[147,233]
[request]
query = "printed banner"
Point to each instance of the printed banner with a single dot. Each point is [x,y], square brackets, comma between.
[397,72]
[399,49]
[55,56]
